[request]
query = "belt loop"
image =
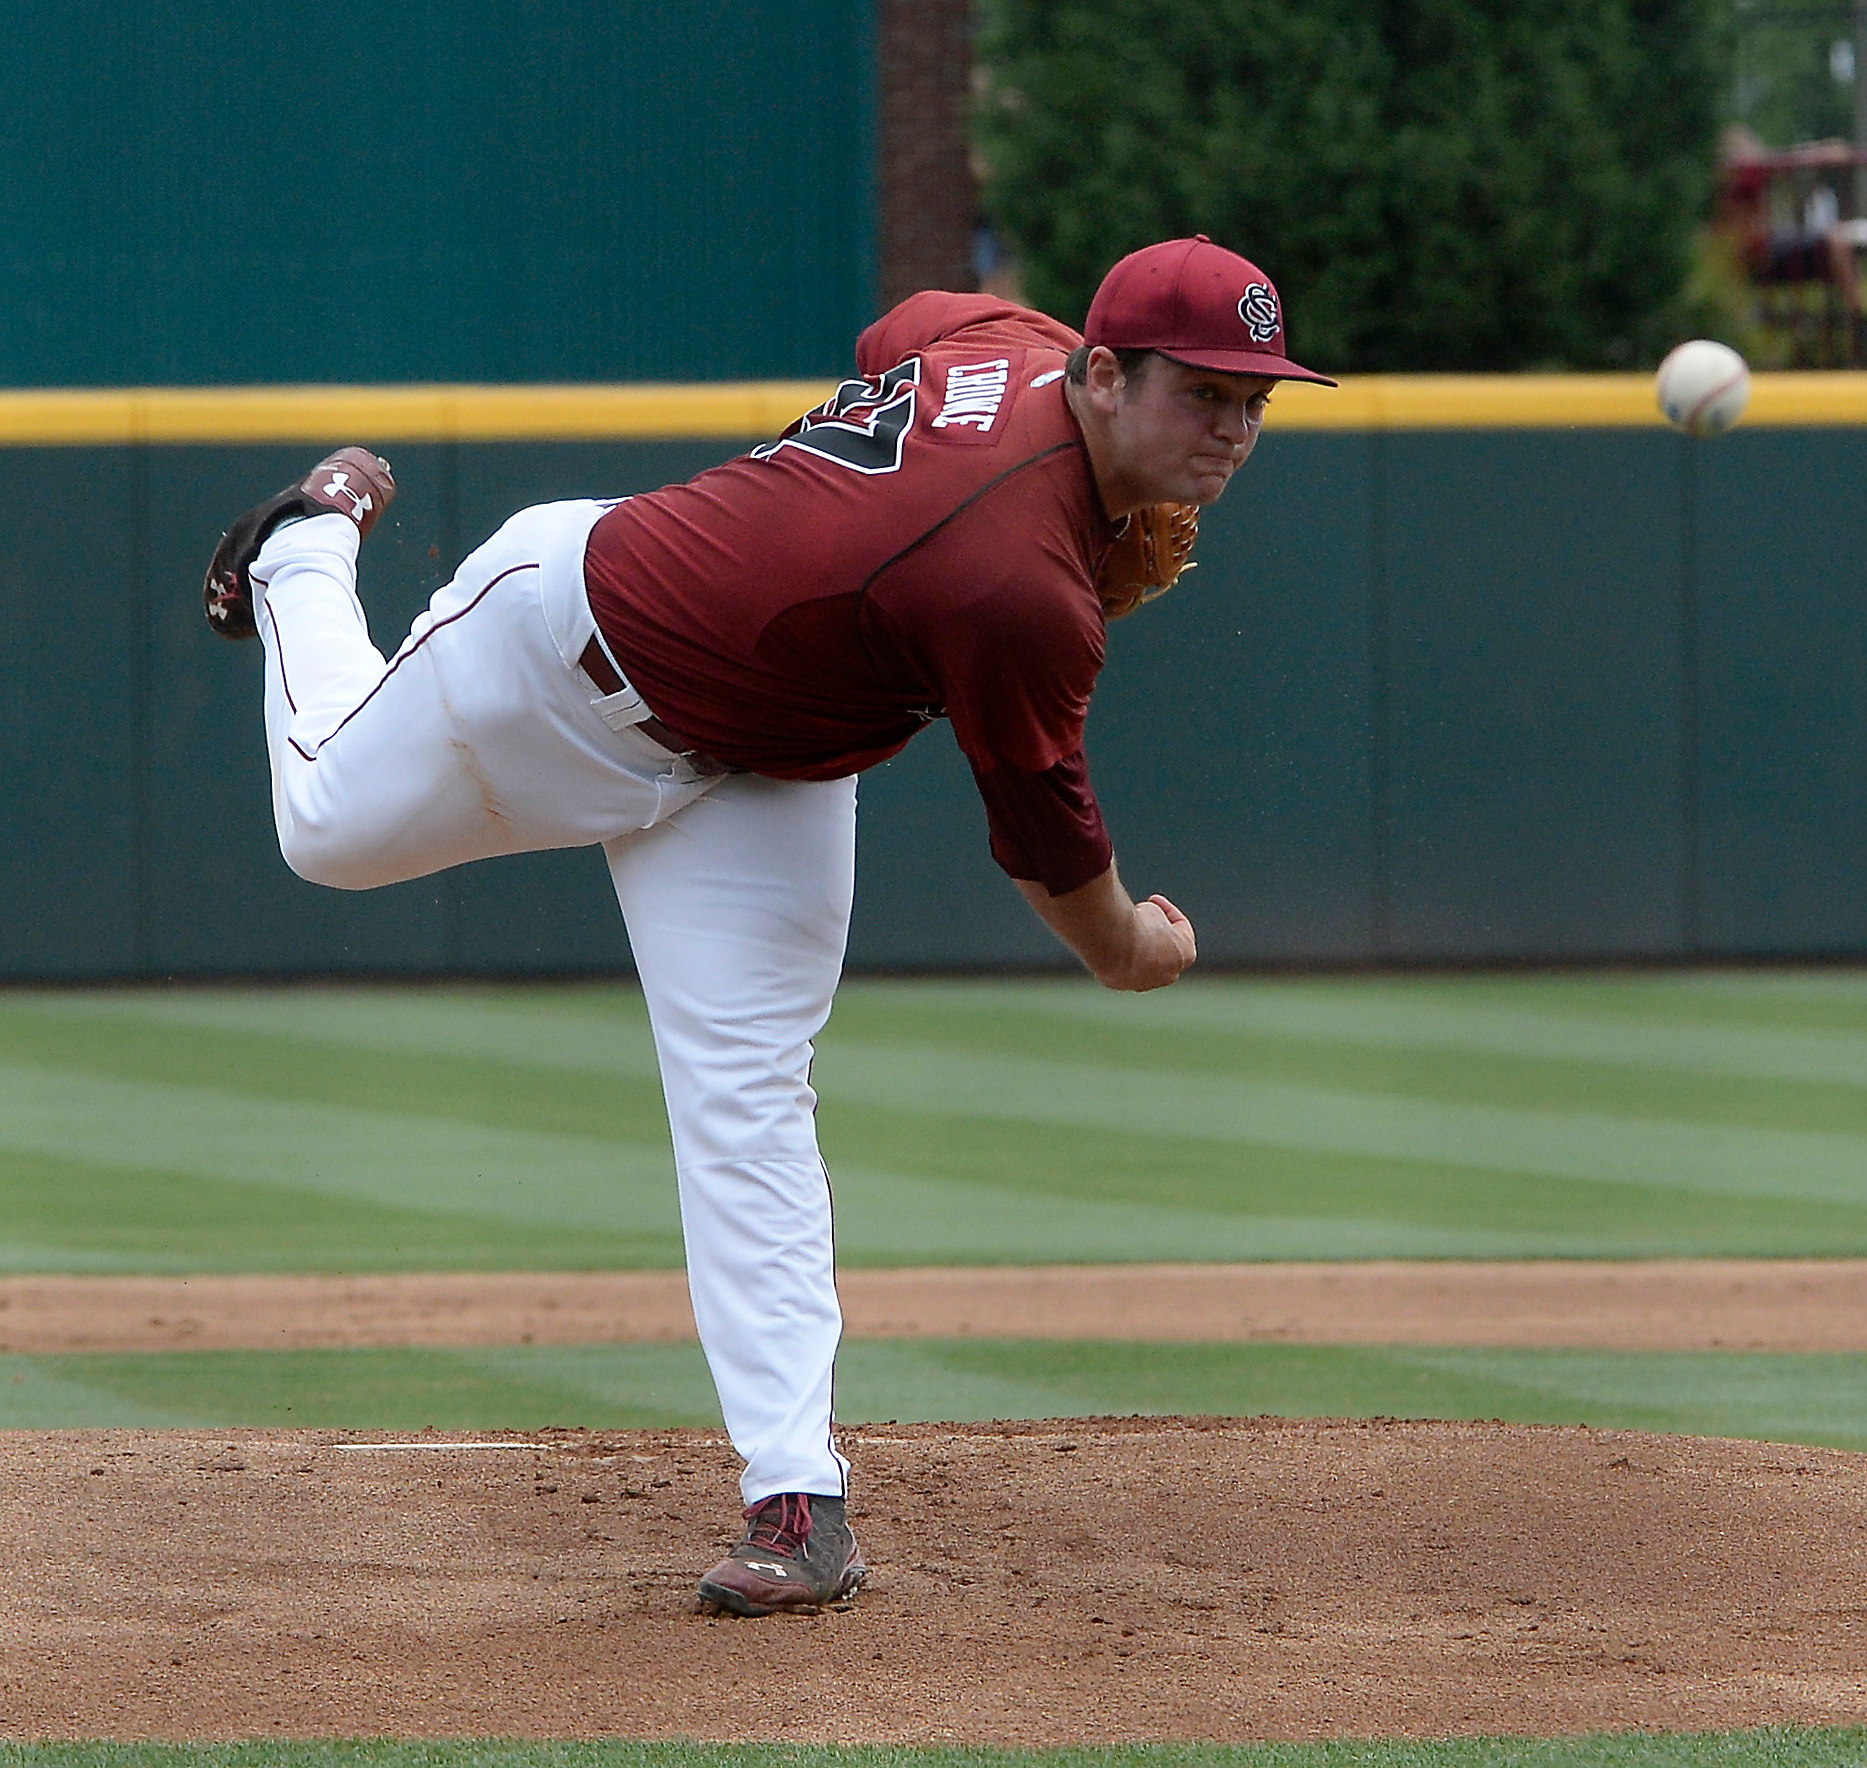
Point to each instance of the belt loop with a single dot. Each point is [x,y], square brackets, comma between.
[622,708]
[621,711]
[609,657]
[619,706]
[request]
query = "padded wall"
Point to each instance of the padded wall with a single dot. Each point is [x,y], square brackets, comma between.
[1430,696]
[203,192]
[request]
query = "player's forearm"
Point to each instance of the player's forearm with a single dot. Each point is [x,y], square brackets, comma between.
[1125,945]
[1096,921]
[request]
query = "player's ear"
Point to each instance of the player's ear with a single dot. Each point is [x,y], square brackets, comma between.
[1103,379]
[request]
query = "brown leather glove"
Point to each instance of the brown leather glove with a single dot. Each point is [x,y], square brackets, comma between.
[1147,560]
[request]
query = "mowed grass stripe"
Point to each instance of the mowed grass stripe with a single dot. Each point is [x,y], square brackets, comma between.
[109,1035]
[1786,1747]
[949,1139]
[1815,1399]
[600,1027]
[992,1193]
[649,1387]
[1463,1018]
[1475,1072]
[379,1157]
[66,1215]
[1354,1035]
[135,1140]
[1812,1165]
[1809,1165]
[1282,1209]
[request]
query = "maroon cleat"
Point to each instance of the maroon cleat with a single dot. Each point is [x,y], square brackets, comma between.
[353,482]
[797,1553]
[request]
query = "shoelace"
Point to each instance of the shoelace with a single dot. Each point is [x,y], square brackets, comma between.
[780,1525]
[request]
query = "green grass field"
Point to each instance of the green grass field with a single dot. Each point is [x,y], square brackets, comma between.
[966,1122]
[1599,1116]
[1807,1399]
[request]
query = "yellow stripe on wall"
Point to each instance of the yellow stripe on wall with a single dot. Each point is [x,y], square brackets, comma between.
[384,415]
[322,415]
[1548,402]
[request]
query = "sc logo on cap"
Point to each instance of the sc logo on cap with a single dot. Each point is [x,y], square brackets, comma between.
[1257,307]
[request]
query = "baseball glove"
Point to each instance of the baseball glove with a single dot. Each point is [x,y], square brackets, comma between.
[1147,560]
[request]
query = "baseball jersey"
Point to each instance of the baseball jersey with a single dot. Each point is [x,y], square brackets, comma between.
[923,545]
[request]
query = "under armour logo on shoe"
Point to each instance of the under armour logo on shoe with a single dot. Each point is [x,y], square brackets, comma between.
[361,503]
[765,1565]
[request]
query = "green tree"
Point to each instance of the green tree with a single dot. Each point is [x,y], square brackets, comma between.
[1791,68]
[1433,184]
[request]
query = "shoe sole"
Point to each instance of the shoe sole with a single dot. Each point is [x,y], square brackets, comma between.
[227,592]
[732,1602]
[726,1600]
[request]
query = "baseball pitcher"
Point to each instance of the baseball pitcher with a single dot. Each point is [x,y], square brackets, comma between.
[693,678]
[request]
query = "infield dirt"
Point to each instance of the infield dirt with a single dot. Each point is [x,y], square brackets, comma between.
[1635,1304]
[1088,1581]
[1092,1581]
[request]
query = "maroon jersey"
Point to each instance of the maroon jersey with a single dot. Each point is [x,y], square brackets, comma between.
[923,545]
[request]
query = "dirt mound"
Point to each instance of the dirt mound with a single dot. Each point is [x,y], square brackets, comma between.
[1086,1581]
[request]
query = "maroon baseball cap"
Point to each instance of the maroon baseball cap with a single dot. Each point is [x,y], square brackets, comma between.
[1198,304]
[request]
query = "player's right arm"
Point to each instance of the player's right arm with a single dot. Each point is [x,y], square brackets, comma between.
[1017,683]
[1125,944]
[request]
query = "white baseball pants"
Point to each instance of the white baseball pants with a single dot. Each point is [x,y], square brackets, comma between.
[482,736]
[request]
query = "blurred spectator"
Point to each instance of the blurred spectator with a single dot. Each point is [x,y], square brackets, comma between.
[1781,210]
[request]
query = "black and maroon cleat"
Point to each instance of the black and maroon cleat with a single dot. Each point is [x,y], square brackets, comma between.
[353,482]
[797,1553]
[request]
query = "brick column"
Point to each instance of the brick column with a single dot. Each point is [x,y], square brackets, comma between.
[928,202]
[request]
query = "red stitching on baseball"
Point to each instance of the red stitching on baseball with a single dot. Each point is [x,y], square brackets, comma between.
[1717,393]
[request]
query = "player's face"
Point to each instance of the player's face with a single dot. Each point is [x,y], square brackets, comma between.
[1178,434]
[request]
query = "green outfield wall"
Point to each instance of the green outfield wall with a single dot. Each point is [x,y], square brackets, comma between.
[209,192]
[1467,671]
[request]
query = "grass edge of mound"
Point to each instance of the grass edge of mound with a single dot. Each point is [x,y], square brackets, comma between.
[1774,1747]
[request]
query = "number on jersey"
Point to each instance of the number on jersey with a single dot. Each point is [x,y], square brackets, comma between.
[863,425]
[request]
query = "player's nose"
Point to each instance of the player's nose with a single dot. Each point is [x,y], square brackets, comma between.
[1230,422]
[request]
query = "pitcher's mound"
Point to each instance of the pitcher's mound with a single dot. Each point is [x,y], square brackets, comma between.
[1092,1581]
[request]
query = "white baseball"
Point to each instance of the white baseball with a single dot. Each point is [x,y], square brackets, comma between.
[1704,387]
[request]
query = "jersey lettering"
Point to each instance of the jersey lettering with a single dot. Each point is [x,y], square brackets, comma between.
[974,392]
[863,425]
